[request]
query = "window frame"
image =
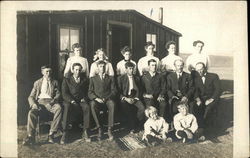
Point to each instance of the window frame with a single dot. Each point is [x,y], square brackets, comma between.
[70,27]
[154,42]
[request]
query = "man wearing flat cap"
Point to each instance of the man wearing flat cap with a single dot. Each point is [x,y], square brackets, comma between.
[43,100]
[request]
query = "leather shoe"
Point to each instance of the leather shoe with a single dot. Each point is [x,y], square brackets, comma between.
[85,136]
[99,137]
[63,139]
[111,137]
[29,140]
[51,139]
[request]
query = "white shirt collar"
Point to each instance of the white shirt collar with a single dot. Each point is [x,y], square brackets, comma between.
[152,74]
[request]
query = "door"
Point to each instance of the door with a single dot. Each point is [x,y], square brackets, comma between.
[67,36]
[119,35]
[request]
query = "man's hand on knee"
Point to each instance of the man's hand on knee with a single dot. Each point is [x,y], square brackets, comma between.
[209,101]
[35,107]
[198,101]
[99,100]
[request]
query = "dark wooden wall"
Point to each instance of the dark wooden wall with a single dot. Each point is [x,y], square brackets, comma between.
[37,42]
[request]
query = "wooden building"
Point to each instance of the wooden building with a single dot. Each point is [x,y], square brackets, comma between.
[45,37]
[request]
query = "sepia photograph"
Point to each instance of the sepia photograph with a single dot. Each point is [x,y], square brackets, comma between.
[124,79]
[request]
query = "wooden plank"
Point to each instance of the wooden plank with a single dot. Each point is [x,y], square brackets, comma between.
[27,42]
[97,32]
[93,35]
[101,34]
[50,55]
[86,35]
[90,49]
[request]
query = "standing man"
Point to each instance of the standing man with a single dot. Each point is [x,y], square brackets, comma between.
[43,99]
[154,88]
[179,87]
[102,90]
[75,100]
[207,93]
[128,85]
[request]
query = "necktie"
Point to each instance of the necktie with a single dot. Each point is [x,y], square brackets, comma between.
[78,80]
[48,90]
[203,79]
[179,80]
[131,86]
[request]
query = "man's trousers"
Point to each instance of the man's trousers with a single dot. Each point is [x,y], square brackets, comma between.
[78,109]
[129,113]
[46,108]
[96,107]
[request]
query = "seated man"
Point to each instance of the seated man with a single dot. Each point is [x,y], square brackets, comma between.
[207,93]
[43,99]
[179,87]
[128,85]
[154,88]
[75,100]
[102,90]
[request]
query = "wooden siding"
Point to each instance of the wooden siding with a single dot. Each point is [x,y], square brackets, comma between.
[37,41]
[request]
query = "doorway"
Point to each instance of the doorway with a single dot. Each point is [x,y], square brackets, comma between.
[119,35]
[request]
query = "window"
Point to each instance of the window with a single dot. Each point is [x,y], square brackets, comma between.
[68,36]
[152,38]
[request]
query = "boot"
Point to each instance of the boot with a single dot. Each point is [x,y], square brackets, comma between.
[29,140]
[85,136]
[99,137]
[111,137]
[63,139]
[51,139]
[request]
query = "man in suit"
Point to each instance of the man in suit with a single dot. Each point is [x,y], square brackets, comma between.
[43,100]
[102,91]
[75,100]
[179,87]
[207,93]
[154,88]
[128,85]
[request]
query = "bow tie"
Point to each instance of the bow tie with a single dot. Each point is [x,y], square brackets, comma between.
[126,60]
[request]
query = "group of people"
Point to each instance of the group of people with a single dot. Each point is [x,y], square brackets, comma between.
[153,93]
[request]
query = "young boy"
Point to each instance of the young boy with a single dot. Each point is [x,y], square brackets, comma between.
[186,125]
[120,67]
[155,128]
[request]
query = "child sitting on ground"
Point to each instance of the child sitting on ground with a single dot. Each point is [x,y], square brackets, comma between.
[186,125]
[155,128]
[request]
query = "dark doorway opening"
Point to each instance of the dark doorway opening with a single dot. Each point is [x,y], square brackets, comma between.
[120,38]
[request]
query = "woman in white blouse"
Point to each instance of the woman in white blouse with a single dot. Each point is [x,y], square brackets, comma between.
[167,63]
[77,58]
[100,55]
[143,62]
